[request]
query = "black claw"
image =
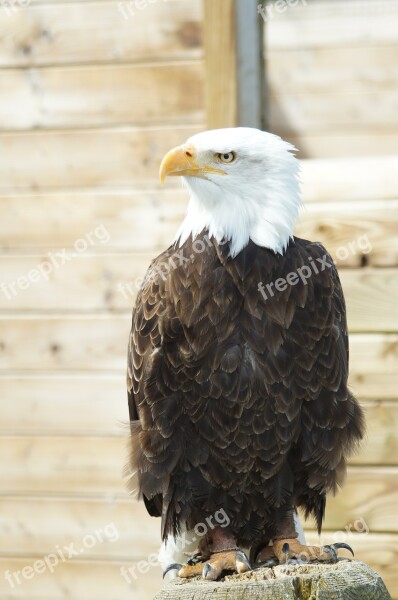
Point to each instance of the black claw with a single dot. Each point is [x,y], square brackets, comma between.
[194,559]
[271,562]
[256,551]
[242,556]
[342,545]
[206,570]
[172,567]
[286,550]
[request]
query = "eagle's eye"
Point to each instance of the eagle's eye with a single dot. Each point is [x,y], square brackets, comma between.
[226,157]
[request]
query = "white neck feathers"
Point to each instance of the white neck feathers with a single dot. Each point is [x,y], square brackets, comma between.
[263,210]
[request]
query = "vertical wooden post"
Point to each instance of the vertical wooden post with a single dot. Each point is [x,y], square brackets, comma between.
[235,71]
[221,66]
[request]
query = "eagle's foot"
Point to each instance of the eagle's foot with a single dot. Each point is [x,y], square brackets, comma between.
[265,558]
[290,551]
[194,559]
[233,560]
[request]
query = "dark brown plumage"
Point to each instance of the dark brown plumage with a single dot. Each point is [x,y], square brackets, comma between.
[235,401]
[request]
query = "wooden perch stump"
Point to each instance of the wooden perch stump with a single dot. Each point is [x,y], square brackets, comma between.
[346,580]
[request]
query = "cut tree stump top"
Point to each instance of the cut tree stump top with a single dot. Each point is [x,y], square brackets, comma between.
[345,580]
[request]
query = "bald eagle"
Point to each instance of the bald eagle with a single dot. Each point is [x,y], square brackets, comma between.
[238,361]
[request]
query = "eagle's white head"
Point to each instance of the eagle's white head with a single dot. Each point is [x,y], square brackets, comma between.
[243,185]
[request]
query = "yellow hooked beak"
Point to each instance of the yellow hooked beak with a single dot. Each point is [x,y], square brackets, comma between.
[183,160]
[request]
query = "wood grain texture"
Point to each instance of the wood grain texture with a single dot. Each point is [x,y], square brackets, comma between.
[343,227]
[343,144]
[138,221]
[61,465]
[346,228]
[381,443]
[125,91]
[303,113]
[93,466]
[377,550]
[323,180]
[92,32]
[330,69]
[86,282]
[48,342]
[330,72]
[85,158]
[30,524]
[373,365]
[97,406]
[91,580]
[51,343]
[345,179]
[330,24]
[369,307]
[94,96]
[74,518]
[81,580]
[366,503]
[24,530]
[34,525]
[345,579]
[220,61]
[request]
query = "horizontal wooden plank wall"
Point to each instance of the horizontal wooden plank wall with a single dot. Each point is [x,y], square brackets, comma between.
[97,32]
[110,282]
[93,94]
[46,97]
[332,72]
[90,102]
